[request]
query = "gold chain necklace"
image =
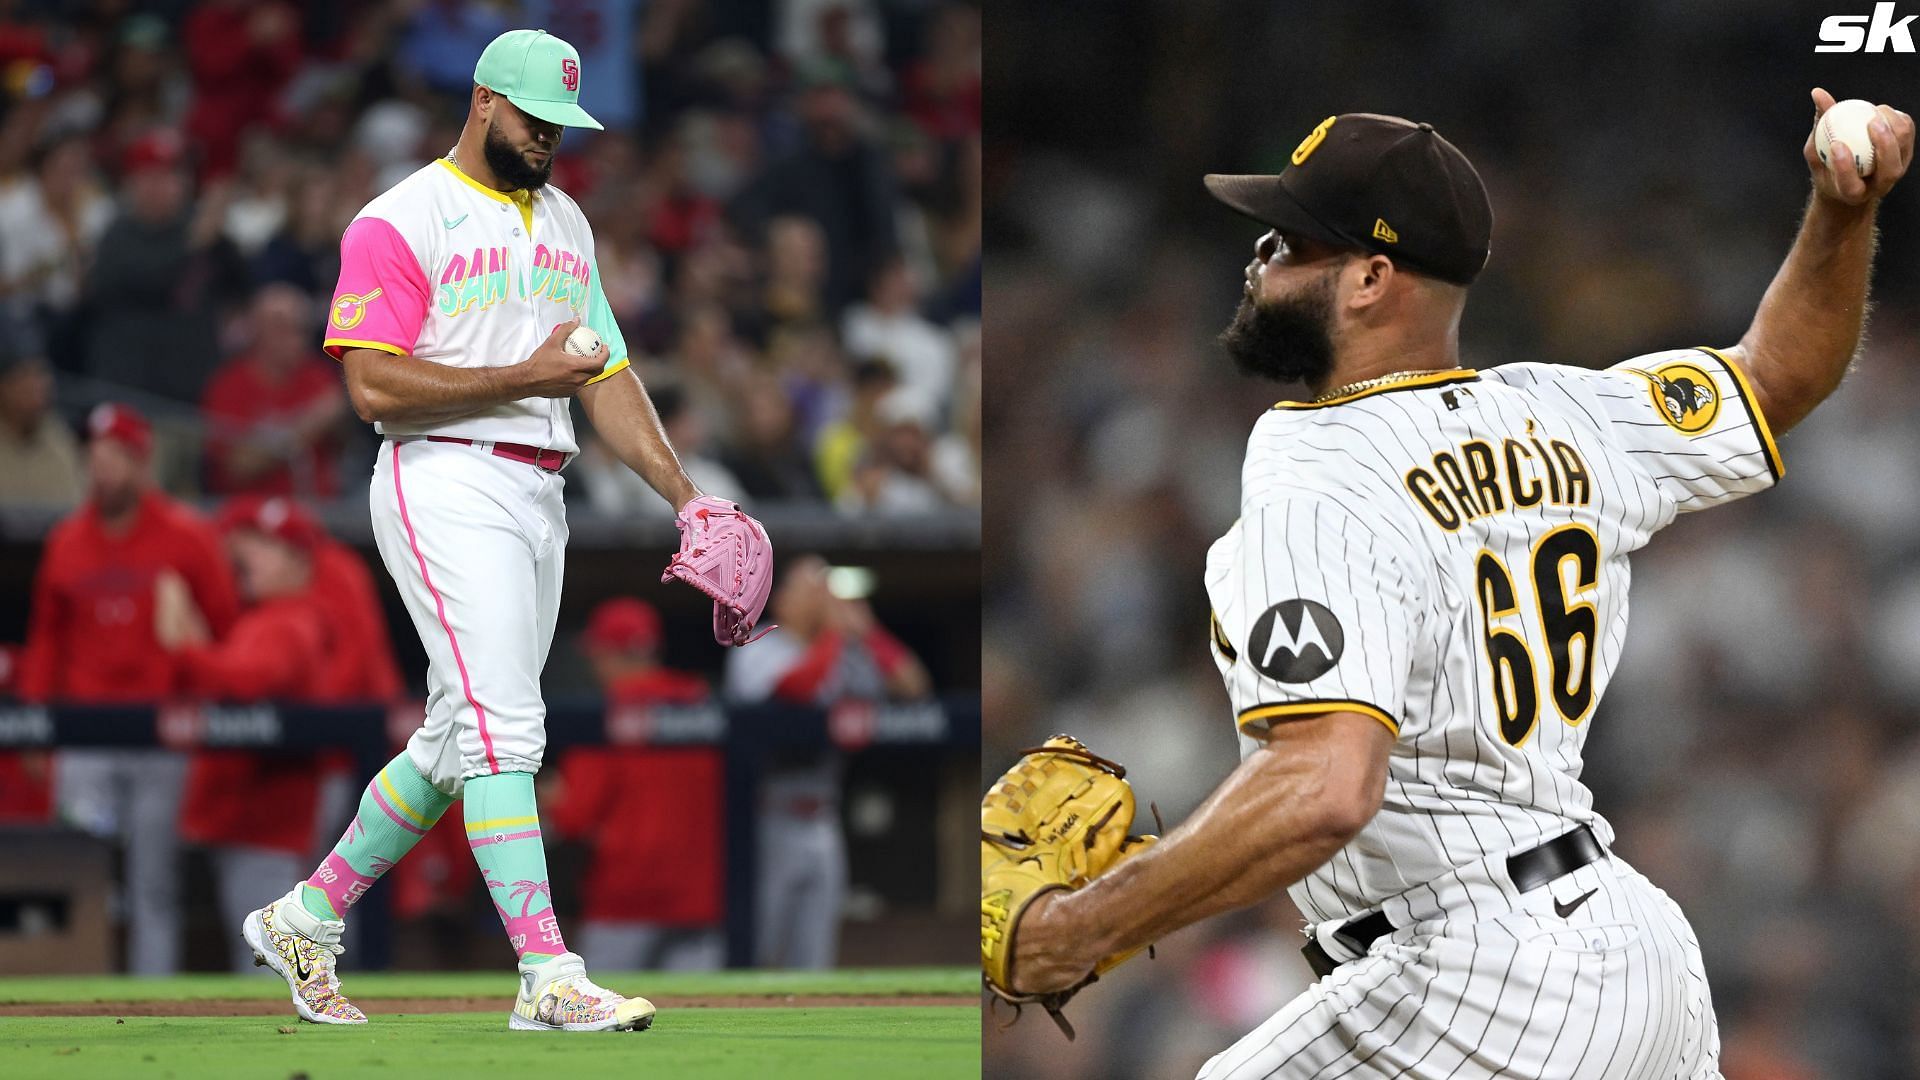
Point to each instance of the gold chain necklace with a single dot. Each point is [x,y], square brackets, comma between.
[1383,380]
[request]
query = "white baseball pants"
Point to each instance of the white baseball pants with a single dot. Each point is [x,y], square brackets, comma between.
[1615,990]
[477,545]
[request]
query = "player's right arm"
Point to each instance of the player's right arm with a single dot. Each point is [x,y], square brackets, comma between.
[406,389]
[373,326]
[1809,323]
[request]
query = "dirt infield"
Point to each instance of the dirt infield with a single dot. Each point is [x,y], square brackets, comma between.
[418,1005]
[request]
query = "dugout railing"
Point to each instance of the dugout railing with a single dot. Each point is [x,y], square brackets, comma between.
[748,735]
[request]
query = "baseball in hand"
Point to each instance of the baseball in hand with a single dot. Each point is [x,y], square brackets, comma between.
[1847,121]
[584,342]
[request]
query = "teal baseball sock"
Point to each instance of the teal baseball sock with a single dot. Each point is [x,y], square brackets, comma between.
[397,809]
[503,828]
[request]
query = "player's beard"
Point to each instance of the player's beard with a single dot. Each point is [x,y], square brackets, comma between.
[510,165]
[1286,340]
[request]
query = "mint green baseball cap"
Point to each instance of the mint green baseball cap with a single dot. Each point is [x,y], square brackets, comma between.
[539,73]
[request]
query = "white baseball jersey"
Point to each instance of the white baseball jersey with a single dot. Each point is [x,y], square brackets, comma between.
[1448,554]
[446,269]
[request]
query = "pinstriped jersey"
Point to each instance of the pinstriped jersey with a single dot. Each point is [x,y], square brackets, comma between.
[1448,553]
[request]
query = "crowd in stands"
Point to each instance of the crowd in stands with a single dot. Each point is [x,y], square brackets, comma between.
[786,204]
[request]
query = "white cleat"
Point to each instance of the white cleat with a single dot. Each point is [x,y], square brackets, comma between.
[556,995]
[301,948]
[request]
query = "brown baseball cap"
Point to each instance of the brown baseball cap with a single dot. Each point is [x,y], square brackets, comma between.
[1376,183]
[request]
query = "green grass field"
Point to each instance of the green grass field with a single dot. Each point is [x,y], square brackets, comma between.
[777,1041]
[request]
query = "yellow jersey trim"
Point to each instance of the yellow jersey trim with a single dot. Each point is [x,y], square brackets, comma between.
[1752,403]
[618,366]
[500,823]
[1316,708]
[1438,378]
[521,199]
[351,343]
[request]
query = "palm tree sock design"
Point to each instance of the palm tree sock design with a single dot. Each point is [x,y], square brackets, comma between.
[397,809]
[503,828]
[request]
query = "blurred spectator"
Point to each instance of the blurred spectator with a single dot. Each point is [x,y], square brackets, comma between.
[92,638]
[839,177]
[888,325]
[765,454]
[242,54]
[51,225]
[616,489]
[273,413]
[942,88]
[894,475]
[796,273]
[158,277]
[827,649]
[843,443]
[39,457]
[253,810]
[651,816]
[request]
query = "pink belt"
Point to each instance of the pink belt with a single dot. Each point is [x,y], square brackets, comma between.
[550,460]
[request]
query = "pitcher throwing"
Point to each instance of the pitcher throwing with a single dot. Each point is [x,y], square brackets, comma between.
[1415,616]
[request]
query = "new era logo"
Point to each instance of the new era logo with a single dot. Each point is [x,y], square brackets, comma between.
[1876,33]
[1384,231]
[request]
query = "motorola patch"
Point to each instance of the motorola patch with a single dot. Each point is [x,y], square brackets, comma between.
[1295,641]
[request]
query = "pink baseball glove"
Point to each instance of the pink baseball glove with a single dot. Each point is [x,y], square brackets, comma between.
[725,554]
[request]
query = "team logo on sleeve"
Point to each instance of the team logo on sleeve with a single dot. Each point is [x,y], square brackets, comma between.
[1686,396]
[349,309]
[1295,641]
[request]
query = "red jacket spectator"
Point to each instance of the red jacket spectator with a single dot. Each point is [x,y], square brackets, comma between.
[653,817]
[273,413]
[360,666]
[278,651]
[242,54]
[91,634]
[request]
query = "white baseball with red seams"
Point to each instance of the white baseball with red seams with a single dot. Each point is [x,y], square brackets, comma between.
[447,270]
[1847,121]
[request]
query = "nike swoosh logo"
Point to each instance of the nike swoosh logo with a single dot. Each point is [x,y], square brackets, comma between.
[300,967]
[454,222]
[1573,905]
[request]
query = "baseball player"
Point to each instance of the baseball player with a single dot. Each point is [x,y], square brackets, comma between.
[458,290]
[1416,615]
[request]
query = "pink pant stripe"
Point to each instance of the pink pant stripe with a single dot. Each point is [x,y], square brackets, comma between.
[466,684]
[530,834]
[381,801]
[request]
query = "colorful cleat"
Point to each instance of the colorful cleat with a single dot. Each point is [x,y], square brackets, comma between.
[301,948]
[556,995]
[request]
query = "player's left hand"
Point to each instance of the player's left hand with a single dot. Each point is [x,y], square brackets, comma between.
[1051,824]
[1892,135]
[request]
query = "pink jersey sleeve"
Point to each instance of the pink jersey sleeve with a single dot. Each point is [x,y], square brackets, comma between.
[381,300]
